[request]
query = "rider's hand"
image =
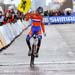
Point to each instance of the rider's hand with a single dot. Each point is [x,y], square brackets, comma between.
[44,34]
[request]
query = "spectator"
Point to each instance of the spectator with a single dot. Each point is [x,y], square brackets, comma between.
[46,13]
[62,13]
[6,17]
[9,16]
[68,13]
[51,13]
[1,18]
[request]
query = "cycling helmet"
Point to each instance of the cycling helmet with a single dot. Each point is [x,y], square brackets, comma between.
[39,10]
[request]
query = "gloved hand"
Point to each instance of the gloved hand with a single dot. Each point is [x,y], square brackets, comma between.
[44,34]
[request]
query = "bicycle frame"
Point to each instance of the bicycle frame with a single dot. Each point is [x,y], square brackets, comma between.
[34,47]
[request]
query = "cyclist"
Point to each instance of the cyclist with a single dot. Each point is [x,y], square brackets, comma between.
[37,26]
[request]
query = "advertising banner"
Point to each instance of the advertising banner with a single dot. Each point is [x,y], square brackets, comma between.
[4,36]
[2,39]
[8,32]
[1,46]
[59,19]
[17,28]
[11,31]
[20,24]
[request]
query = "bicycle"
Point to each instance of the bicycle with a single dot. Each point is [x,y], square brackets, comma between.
[34,49]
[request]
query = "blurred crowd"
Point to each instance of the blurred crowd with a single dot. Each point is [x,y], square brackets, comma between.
[10,16]
[57,13]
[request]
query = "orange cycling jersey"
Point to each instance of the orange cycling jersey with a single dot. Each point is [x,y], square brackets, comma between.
[36,20]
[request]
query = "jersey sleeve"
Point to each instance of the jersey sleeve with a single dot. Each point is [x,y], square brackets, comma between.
[27,17]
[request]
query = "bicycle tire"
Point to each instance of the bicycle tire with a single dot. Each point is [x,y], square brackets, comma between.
[32,57]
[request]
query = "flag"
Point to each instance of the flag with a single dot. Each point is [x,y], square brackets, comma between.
[24,6]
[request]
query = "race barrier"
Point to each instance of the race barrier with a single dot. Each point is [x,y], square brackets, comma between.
[59,19]
[9,32]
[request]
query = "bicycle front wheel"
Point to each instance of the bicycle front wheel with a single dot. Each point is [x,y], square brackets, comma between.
[32,56]
[32,61]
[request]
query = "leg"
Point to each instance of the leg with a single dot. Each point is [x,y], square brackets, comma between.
[39,42]
[28,43]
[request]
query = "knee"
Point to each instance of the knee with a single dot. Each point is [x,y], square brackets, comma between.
[27,38]
[40,38]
